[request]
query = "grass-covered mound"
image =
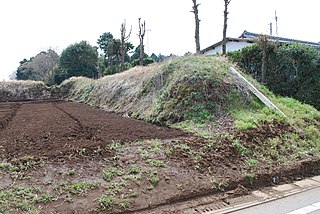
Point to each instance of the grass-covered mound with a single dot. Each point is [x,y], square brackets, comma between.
[180,89]
[23,90]
[197,94]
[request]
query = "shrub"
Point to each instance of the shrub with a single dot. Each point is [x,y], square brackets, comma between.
[293,70]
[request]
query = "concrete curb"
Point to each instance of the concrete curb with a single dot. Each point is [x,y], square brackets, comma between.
[266,195]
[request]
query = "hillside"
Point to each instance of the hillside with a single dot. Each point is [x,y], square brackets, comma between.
[196,94]
[227,141]
[178,90]
[188,91]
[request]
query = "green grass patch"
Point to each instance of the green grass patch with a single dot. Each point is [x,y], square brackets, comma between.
[109,173]
[156,163]
[82,188]
[251,163]
[110,202]
[8,167]
[218,184]
[242,150]
[132,193]
[116,146]
[23,199]
[155,146]
[116,187]
[134,169]
[143,153]
[250,177]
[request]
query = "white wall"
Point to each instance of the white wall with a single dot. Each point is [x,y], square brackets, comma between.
[231,46]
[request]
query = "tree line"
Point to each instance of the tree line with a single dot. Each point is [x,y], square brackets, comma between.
[83,59]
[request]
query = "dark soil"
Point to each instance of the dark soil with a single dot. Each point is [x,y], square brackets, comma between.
[56,144]
[58,129]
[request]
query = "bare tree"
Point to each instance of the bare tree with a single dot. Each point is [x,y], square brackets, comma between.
[142,32]
[197,21]
[41,66]
[13,75]
[124,39]
[110,47]
[224,40]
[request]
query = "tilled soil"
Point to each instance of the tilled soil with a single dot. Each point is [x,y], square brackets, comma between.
[58,129]
[55,145]
[65,157]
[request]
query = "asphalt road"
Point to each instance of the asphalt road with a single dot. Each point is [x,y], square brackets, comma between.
[301,203]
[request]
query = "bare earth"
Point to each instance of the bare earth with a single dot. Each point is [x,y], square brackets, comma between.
[129,165]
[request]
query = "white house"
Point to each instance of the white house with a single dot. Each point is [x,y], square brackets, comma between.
[247,39]
[232,44]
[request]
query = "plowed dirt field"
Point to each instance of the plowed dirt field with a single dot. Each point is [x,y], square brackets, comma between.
[65,157]
[59,129]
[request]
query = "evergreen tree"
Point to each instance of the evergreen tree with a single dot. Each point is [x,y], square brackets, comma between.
[79,59]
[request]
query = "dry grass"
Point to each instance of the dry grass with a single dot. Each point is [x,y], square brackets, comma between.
[135,71]
[180,88]
[120,92]
[23,90]
[193,89]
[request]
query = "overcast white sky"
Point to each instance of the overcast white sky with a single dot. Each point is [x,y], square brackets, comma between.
[31,26]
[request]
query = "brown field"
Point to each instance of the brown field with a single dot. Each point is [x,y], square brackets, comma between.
[78,159]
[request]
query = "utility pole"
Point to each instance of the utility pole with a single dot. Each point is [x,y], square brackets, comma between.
[276,18]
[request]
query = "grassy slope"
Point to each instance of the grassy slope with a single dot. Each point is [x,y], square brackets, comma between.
[192,92]
[23,90]
[161,93]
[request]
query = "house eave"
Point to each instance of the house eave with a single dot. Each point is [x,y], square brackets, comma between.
[255,36]
[229,39]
